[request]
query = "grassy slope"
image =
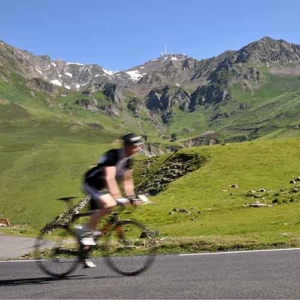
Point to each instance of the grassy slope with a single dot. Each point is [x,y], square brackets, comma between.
[273,108]
[44,151]
[36,171]
[223,217]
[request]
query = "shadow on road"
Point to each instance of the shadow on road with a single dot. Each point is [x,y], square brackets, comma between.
[46,280]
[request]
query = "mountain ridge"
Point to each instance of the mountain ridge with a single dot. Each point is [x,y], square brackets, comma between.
[212,93]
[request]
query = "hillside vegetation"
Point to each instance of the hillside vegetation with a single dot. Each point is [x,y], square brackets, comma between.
[200,208]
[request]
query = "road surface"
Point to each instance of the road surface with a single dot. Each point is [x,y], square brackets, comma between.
[242,275]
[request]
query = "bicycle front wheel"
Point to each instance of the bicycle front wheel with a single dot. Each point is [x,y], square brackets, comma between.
[129,248]
[57,252]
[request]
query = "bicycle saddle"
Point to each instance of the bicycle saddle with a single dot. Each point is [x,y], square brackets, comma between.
[66,198]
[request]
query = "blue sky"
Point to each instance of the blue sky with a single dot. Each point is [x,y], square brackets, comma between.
[120,34]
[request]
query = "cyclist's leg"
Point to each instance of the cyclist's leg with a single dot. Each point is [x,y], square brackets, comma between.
[100,200]
[103,202]
[106,202]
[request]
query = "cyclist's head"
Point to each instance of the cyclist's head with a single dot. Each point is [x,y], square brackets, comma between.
[132,142]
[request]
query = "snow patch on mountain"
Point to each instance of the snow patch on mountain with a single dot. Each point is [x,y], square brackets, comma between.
[135,74]
[40,71]
[71,63]
[110,73]
[56,82]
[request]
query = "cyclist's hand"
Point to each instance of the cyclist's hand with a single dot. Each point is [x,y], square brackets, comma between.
[134,200]
[123,201]
[128,201]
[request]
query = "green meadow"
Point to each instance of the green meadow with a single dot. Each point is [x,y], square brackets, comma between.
[218,217]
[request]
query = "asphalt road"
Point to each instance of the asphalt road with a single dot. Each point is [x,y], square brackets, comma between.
[243,275]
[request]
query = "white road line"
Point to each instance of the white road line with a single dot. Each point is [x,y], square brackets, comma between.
[184,254]
[236,252]
[18,260]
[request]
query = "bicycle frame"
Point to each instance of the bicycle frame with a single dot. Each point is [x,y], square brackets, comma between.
[113,219]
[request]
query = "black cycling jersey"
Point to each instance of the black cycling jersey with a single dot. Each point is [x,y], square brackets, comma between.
[115,157]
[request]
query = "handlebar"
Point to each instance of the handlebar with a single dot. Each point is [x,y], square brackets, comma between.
[140,198]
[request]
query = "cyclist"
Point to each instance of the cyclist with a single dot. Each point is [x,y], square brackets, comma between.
[101,184]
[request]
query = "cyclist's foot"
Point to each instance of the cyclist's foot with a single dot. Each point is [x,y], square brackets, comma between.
[85,237]
[88,264]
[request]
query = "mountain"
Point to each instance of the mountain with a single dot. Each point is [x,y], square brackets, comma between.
[173,99]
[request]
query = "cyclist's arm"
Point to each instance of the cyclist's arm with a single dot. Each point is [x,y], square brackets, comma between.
[112,185]
[128,183]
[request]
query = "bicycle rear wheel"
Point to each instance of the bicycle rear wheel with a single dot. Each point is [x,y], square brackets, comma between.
[57,252]
[129,249]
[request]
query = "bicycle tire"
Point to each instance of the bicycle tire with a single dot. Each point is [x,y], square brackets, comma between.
[57,253]
[125,248]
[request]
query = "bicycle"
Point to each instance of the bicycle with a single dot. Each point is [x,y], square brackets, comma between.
[126,243]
